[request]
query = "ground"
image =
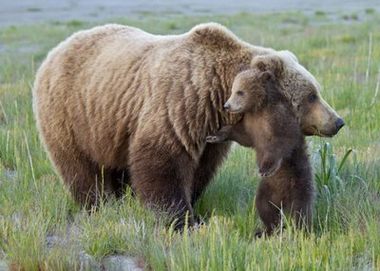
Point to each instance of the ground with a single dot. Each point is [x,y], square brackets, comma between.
[41,227]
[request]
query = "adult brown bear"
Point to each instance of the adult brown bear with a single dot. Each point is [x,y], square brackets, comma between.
[115,104]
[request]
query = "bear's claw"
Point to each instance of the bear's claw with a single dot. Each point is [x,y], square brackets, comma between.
[211,139]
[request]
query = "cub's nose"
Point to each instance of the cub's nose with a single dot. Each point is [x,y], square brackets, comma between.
[339,123]
[226,106]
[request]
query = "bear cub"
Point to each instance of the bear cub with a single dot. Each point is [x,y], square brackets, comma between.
[270,126]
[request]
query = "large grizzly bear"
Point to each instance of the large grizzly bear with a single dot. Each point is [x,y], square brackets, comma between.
[115,104]
[270,126]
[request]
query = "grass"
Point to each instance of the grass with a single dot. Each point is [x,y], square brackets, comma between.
[35,207]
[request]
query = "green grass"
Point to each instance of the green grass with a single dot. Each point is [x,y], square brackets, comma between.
[34,205]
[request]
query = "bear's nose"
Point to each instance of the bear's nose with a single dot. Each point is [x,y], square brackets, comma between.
[226,106]
[339,123]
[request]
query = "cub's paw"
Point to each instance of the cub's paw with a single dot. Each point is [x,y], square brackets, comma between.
[213,139]
[269,167]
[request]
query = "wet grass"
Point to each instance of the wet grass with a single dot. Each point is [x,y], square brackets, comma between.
[35,207]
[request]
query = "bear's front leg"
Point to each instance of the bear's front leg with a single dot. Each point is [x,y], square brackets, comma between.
[212,157]
[162,178]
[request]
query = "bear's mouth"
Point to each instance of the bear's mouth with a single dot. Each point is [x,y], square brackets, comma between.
[234,110]
[310,131]
[317,132]
[314,131]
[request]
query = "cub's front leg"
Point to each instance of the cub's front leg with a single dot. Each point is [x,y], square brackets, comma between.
[224,134]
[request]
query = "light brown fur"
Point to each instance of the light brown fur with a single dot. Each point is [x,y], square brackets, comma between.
[116,105]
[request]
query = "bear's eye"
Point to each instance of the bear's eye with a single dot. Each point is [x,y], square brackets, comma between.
[312,98]
[240,93]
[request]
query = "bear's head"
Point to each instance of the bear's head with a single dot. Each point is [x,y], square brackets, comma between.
[301,89]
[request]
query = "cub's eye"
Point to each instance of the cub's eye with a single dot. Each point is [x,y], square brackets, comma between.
[240,93]
[312,98]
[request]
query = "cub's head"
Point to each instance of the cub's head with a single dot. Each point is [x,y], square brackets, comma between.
[248,92]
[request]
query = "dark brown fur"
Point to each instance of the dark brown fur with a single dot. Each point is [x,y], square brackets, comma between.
[274,132]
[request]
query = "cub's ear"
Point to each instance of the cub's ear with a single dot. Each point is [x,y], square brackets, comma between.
[269,63]
[266,76]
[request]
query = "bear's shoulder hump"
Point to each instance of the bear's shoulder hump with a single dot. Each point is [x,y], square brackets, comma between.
[214,35]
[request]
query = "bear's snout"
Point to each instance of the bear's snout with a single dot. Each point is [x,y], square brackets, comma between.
[233,106]
[227,106]
[339,123]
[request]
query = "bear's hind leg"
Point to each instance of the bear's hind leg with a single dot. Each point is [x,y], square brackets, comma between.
[268,212]
[301,202]
[302,212]
[83,177]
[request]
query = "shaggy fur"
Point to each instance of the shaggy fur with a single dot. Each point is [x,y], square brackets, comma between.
[273,130]
[290,189]
[117,105]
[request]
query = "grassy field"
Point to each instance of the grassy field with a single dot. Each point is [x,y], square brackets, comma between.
[41,228]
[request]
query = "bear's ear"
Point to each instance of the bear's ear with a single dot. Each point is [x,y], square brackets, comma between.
[269,63]
[288,54]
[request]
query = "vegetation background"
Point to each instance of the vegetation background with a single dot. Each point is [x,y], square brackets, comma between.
[41,228]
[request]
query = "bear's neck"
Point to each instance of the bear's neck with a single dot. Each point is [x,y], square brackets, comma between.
[224,71]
